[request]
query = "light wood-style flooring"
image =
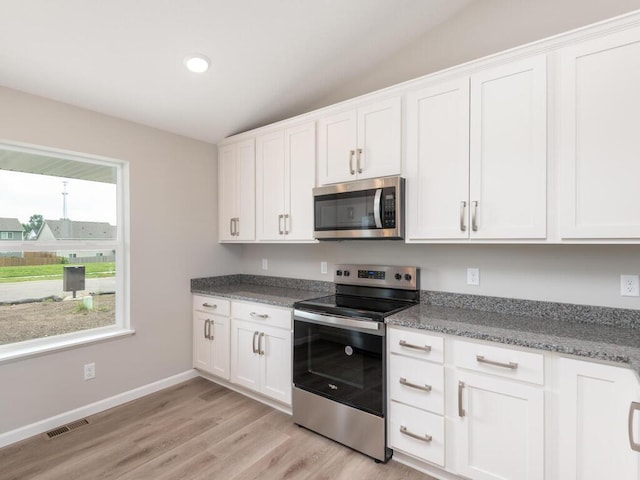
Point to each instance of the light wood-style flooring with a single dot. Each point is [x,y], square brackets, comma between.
[195,430]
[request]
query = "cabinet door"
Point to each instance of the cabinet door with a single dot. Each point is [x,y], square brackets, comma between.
[270,186]
[438,161]
[599,141]
[508,149]
[501,435]
[245,362]
[594,408]
[245,190]
[336,148]
[275,343]
[379,147]
[201,344]
[226,191]
[300,177]
[220,340]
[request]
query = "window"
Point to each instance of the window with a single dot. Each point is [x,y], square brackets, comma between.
[6,235]
[62,280]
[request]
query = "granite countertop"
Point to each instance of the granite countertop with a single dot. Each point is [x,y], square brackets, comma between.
[618,343]
[282,292]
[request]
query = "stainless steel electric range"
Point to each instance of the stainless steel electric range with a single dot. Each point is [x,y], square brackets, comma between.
[339,355]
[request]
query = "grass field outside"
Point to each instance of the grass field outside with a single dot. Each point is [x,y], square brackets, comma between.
[53,272]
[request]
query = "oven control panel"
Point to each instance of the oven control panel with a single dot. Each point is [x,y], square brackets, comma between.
[379,276]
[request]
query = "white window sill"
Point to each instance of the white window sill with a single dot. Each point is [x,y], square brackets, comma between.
[43,346]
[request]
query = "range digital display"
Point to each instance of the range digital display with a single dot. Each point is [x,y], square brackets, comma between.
[373,274]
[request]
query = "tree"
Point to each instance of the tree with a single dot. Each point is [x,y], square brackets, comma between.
[35,222]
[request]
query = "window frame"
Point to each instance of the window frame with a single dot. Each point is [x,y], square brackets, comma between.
[122,326]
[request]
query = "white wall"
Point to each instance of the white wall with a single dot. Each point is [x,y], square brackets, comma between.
[173,191]
[572,274]
[483,28]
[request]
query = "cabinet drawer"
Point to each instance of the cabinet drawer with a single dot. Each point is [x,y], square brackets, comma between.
[265,314]
[417,383]
[406,423]
[503,362]
[219,306]
[416,344]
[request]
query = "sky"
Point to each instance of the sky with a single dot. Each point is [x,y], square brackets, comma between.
[26,194]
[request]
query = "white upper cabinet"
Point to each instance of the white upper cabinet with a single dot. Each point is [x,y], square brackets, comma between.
[599,140]
[476,155]
[236,192]
[438,161]
[508,151]
[285,177]
[361,143]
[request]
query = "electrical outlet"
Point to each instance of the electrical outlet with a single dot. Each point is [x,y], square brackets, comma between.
[265,264]
[630,285]
[89,371]
[473,276]
[323,268]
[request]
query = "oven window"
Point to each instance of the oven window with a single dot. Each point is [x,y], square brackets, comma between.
[343,365]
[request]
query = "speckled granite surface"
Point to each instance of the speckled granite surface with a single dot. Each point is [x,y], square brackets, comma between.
[616,343]
[283,292]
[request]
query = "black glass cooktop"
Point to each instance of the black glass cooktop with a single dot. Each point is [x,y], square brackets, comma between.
[353,306]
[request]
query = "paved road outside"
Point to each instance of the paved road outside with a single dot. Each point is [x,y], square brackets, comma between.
[13,292]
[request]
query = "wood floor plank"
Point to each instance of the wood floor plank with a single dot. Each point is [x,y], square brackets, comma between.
[197,430]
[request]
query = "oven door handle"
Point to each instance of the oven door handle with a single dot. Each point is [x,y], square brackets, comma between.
[347,323]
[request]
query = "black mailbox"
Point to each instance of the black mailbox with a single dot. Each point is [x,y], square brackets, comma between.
[73,278]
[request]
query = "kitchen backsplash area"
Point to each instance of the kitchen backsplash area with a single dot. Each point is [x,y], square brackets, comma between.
[574,274]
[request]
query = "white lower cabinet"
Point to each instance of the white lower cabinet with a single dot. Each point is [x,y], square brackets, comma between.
[499,428]
[211,335]
[593,422]
[261,350]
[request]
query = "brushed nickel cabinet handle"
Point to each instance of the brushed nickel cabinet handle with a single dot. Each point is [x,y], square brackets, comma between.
[474,216]
[461,411]
[510,365]
[253,343]
[259,315]
[351,154]
[425,387]
[210,332]
[463,210]
[209,305]
[634,407]
[280,217]
[425,348]
[206,326]
[358,161]
[237,226]
[424,438]
[260,349]
[231,220]
[286,217]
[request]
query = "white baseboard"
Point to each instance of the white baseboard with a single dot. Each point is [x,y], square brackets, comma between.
[47,424]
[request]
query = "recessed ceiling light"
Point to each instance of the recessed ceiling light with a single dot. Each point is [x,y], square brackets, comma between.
[196,63]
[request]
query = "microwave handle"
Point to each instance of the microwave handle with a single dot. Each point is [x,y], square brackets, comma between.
[376,208]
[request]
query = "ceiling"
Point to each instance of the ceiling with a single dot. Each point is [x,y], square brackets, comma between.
[271,59]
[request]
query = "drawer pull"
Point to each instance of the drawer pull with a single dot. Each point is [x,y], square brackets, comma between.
[635,406]
[253,343]
[425,387]
[209,305]
[461,412]
[425,348]
[424,438]
[511,365]
[259,315]
[260,349]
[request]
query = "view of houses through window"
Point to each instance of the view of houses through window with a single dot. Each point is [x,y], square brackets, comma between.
[59,245]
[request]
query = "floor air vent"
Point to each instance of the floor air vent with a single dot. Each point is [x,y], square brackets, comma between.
[66,428]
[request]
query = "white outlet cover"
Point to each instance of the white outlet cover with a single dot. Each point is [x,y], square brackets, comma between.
[473,276]
[630,285]
[89,371]
[265,264]
[323,267]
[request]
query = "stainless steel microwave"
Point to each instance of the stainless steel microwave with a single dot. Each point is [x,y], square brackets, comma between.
[364,209]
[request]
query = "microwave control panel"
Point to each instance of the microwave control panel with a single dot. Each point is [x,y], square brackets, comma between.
[388,208]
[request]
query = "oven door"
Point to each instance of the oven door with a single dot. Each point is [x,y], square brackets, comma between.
[342,359]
